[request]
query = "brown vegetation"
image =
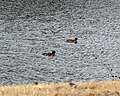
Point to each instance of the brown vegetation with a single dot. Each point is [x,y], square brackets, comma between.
[110,88]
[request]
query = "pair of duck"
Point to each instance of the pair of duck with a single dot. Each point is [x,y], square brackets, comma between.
[52,53]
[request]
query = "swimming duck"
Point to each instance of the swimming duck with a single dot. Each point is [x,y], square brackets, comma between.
[72,40]
[49,53]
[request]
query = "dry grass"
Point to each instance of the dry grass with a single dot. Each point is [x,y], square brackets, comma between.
[110,88]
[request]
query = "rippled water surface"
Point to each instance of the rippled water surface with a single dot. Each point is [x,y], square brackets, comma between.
[96,56]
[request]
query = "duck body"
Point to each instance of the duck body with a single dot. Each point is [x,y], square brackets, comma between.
[72,40]
[49,53]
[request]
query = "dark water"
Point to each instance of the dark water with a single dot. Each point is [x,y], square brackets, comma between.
[24,37]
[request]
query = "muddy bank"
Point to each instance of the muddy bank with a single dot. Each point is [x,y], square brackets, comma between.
[64,89]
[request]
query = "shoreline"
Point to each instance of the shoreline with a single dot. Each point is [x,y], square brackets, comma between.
[101,88]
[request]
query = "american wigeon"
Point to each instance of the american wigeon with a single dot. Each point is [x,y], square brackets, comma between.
[72,40]
[49,53]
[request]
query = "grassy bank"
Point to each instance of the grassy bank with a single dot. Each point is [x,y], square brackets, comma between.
[110,88]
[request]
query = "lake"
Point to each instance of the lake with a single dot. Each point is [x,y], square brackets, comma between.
[25,36]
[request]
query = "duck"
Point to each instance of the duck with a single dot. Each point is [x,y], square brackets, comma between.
[49,53]
[72,40]
[72,84]
[36,83]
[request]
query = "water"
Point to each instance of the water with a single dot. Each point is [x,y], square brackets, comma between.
[96,56]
